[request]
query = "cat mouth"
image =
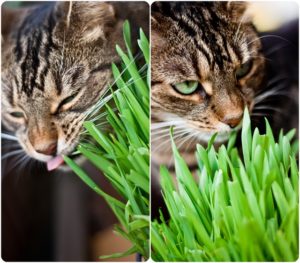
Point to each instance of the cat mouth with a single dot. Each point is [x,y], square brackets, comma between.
[55,162]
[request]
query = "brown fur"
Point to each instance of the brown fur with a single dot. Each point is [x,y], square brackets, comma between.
[56,61]
[204,42]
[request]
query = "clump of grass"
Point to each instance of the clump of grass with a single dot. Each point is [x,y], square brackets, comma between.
[123,154]
[240,208]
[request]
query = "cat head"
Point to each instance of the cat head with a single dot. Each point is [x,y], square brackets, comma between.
[56,61]
[206,64]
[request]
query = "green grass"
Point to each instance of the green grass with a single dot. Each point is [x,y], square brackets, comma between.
[122,155]
[238,208]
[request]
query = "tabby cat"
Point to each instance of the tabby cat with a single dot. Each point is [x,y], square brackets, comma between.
[56,63]
[207,66]
[209,63]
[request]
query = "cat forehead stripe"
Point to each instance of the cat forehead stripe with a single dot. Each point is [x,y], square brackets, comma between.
[34,44]
[194,19]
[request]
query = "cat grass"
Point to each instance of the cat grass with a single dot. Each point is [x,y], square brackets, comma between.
[122,155]
[241,207]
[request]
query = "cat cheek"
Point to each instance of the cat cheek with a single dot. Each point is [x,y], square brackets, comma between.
[70,138]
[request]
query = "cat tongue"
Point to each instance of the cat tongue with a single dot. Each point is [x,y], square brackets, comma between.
[55,162]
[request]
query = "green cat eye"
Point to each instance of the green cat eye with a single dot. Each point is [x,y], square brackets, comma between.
[243,70]
[17,114]
[186,87]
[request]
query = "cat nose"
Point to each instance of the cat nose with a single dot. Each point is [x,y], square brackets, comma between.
[233,121]
[50,149]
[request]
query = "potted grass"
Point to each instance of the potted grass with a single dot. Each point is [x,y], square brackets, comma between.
[122,152]
[240,208]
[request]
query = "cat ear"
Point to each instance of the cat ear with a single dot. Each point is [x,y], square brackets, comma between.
[238,11]
[86,21]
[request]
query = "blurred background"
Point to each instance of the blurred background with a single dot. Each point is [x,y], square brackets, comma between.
[278,26]
[269,16]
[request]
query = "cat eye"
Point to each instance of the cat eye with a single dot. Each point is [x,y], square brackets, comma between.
[243,70]
[66,101]
[17,114]
[186,87]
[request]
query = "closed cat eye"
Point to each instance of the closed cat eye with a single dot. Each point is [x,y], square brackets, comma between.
[17,114]
[186,87]
[243,70]
[66,100]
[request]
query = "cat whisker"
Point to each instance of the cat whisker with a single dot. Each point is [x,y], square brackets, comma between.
[267,98]
[124,70]
[99,122]
[270,90]
[10,143]
[168,141]
[269,95]
[98,106]
[267,36]
[268,59]
[135,80]
[167,129]
[159,131]
[267,108]
[192,140]
[166,135]
[192,136]
[8,137]
[259,114]
[8,147]
[237,36]
[24,163]
[274,49]
[277,79]
[101,115]
[87,141]
[103,101]
[19,161]
[102,126]
[165,124]
[186,139]
[276,91]
[12,153]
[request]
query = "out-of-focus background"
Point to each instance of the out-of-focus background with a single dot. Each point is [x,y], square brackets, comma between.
[269,16]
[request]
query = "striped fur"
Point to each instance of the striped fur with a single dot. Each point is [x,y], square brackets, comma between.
[50,53]
[204,42]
